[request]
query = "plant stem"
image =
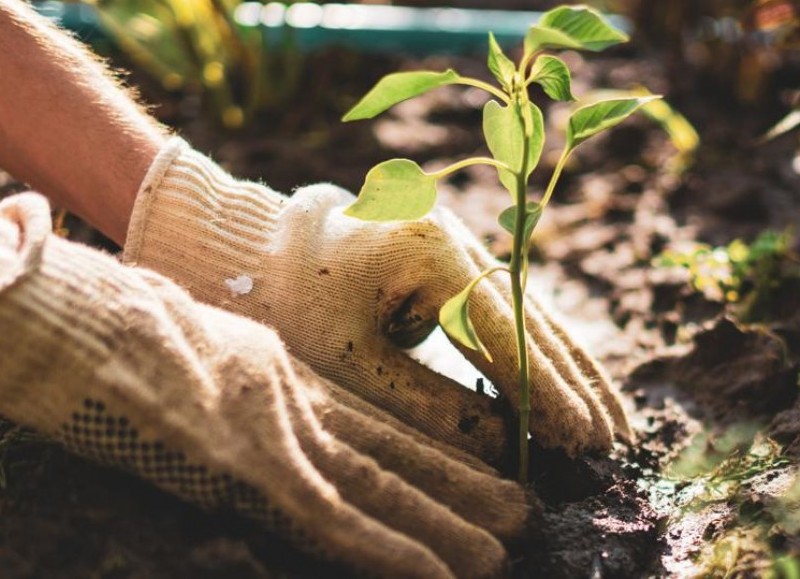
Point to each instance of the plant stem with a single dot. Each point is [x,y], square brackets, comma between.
[469,162]
[524,64]
[554,178]
[518,277]
[524,388]
[485,86]
[487,273]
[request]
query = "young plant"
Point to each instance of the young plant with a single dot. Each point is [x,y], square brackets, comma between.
[513,127]
[741,274]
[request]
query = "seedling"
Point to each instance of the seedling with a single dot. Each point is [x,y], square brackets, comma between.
[513,127]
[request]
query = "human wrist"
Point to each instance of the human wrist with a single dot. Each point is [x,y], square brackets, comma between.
[89,153]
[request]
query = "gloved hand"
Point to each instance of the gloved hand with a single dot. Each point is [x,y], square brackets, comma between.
[343,293]
[122,366]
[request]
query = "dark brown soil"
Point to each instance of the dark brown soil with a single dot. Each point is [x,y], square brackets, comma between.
[686,364]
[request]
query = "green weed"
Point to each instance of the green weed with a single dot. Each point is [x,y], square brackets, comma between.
[726,469]
[738,273]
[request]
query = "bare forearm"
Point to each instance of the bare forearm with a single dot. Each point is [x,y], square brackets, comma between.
[66,127]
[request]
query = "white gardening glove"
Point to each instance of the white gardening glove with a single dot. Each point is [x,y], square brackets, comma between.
[343,292]
[122,366]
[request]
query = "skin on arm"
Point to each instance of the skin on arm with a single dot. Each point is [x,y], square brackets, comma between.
[66,127]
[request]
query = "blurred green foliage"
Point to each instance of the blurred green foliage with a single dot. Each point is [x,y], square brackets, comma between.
[736,272]
[197,45]
[723,474]
[720,463]
[786,567]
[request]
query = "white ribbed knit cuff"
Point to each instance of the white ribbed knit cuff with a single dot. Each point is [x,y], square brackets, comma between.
[196,224]
[146,194]
[185,194]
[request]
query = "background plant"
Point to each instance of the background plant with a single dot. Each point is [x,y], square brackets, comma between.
[513,128]
[741,274]
[198,45]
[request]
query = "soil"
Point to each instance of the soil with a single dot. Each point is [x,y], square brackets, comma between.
[688,366]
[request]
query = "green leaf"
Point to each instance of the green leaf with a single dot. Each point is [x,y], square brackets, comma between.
[681,132]
[395,190]
[455,321]
[395,88]
[553,76]
[505,137]
[592,119]
[542,37]
[508,218]
[501,66]
[575,27]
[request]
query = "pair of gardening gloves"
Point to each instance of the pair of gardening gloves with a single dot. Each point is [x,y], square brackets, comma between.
[302,411]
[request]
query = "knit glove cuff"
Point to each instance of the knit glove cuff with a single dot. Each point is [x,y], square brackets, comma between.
[195,223]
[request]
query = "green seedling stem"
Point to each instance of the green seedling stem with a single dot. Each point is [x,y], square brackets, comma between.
[485,86]
[513,127]
[519,275]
